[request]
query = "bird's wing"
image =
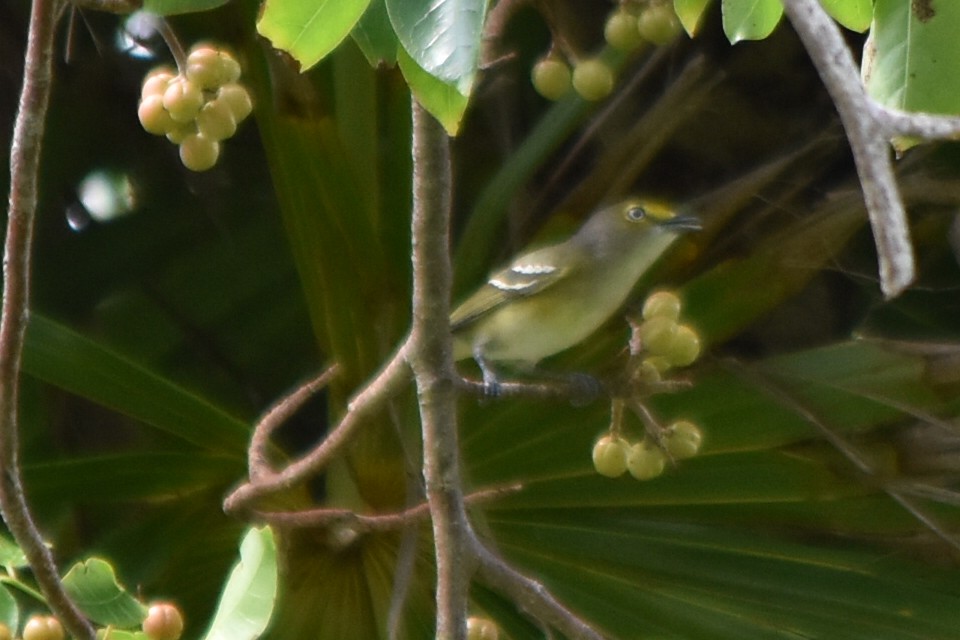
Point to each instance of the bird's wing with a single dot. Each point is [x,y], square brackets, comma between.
[526,276]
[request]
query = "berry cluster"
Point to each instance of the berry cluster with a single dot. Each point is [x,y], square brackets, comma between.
[660,343]
[613,455]
[631,24]
[197,107]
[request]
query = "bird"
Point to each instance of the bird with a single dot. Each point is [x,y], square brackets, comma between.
[552,298]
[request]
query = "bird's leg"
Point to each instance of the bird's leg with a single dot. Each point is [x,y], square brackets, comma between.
[491,382]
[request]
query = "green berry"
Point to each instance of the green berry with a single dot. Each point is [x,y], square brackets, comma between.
[662,304]
[153,117]
[592,79]
[551,78]
[216,121]
[620,31]
[163,622]
[43,628]
[656,335]
[482,629]
[238,98]
[645,461]
[661,364]
[183,100]
[610,456]
[682,439]
[684,346]
[658,23]
[199,153]
[650,371]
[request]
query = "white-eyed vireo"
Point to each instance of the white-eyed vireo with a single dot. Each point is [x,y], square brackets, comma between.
[552,298]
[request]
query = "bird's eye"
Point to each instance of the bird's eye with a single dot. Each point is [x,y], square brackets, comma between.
[636,213]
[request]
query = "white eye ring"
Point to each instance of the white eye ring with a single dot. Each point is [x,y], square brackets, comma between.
[636,213]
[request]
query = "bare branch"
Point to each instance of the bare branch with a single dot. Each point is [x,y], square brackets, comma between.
[109,6]
[871,152]
[24,168]
[275,416]
[431,359]
[364,405]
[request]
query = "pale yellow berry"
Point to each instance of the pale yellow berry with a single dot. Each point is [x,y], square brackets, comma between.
[153,117]
[216,121]
[659,23]
[163,622]
[620,31]
[482,629]
[5,633]
[684,346]
[593,79]
[610,456]
[645,461]
[183,100]
[662,304]
[551,78]
[199,153]
[179,132]
[682,439]
[656,335]
[210,67]
[157,81]
[238,98]
[43,628]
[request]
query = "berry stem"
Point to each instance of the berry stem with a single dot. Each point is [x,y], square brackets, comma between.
[173,43]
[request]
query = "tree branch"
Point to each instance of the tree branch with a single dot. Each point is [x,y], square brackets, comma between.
[871,152]
[24,168]
[431,359]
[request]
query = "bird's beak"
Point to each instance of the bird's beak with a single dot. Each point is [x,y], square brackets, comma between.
[682,223]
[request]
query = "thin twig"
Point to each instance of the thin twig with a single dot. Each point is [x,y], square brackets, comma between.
[257,459]
[530,596]
[173,43]
[121,7]
[24,169]
[363,523]
[431,360]
[364,405]
[871,152]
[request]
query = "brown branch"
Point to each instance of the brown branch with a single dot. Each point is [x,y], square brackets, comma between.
[24,169]
[109,6]
[257,460]
[364,405]
[431,359]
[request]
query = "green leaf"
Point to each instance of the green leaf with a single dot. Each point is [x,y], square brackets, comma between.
[9,610]
[246,603]
[750,19]
[117,634]
[442,100]
[57,355]
[309,30]
[853,14]
[374,35]
[93,586]
[11,555]
[442,36]
[174,7]
[909,66]
[690,13]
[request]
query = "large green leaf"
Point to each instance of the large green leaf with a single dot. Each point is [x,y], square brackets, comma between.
[246,603]
[443,37]
[905,63]
[309,30]
[442,100]
[374,35]
[62,357]
[750,19]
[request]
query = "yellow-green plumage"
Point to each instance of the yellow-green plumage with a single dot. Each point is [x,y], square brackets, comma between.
[552,298]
